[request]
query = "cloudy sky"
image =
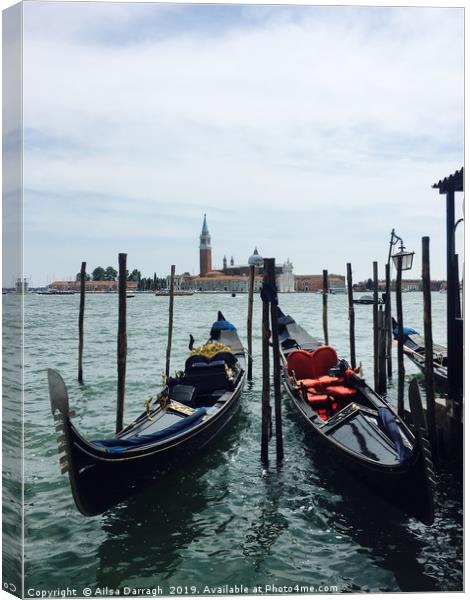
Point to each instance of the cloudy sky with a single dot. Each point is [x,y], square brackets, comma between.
[308,131]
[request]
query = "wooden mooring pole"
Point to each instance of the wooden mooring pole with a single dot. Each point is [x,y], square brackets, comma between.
[388,319]
[375,311]
[325,305]
[401,366]
[121,342]
[276,362]
[428,346]
[170,322]
[265,403]
[352,338]
[382,351]
[81,315]
[249,322]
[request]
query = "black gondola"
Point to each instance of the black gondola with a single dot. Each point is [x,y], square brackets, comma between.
[180,420]
[414,348]
[356,424]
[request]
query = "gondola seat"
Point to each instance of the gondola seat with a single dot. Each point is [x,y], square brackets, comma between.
[320,382]
[340,391]
[308,365]
[323,359]
[207,377]
[299,362]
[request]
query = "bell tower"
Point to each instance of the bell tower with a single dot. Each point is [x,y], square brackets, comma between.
[205,250]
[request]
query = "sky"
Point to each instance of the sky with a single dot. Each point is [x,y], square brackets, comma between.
[309,132]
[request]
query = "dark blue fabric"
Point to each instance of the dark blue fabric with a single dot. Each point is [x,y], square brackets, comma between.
[393,431]
[223,326]
[269,293]
[118,444]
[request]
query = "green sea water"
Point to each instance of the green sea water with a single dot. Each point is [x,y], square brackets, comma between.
[221,520]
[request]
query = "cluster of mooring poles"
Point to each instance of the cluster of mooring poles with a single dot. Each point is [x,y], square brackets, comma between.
[122,332]
[269,315]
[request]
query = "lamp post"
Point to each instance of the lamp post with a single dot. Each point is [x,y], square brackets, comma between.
[406,264]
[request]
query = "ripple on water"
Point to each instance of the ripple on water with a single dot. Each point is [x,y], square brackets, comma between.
[220,520]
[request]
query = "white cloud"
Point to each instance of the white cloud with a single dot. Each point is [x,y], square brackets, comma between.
[315,113]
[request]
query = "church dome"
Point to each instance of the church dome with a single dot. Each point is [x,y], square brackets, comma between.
[255,259]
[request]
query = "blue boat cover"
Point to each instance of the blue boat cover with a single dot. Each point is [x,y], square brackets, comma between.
[121,444]
[223,326]
[391,428]
[406,331]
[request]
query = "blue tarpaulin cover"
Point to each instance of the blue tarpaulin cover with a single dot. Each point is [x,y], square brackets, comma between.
[391,427]
[223,326]
[119,445]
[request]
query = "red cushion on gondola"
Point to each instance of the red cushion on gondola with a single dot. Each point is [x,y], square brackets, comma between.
[308,383]
[300,362]
[323,359]
[340,391]
[329,380]
[313,399]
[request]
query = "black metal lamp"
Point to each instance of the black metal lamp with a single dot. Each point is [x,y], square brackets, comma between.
[406,258]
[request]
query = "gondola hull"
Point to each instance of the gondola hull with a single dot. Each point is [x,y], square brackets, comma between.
[99,481]
[100,477]
[404,486]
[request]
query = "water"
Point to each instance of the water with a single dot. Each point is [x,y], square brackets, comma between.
[221,520]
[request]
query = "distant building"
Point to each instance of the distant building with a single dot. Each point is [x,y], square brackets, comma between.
[231,277]
[21,287]
[313,283]
[235,278]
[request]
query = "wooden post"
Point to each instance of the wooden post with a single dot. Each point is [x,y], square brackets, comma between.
[428,345]
[375,311]
[401,366]
[451,292]
[249,321]
[388,319]
[325,305]
[276,363]
[121,342]
[170,321]
[382,351]
[81,315]
[352,340]
[265,403]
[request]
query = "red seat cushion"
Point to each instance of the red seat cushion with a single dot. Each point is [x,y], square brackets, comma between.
[322,360]
[299,361]
[340,391]
[329,380]
[308,383]
[314,399]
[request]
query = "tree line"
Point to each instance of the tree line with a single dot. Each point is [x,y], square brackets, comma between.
[110,274]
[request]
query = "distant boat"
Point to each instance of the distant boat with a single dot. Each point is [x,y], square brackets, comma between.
[176,293]
[443,289]
[233,294]
[367,299]
[131,295]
